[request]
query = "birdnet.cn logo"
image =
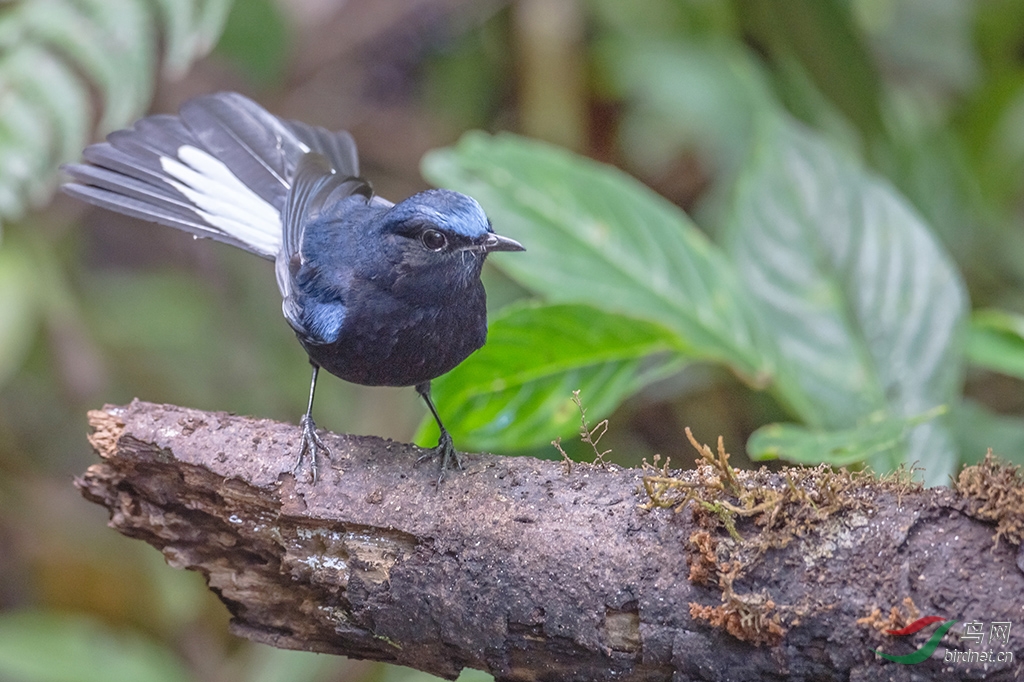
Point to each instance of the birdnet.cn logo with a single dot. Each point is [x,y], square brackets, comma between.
[991,639]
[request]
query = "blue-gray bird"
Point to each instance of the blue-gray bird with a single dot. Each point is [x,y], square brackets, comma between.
[378,294]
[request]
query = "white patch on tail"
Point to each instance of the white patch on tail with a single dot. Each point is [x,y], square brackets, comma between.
[224,201]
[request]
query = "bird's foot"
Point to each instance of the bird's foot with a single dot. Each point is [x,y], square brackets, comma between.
[446,449]
[312,445]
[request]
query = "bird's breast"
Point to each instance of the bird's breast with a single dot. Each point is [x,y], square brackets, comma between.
[385,341]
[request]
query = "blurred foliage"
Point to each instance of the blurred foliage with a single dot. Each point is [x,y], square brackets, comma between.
[815,191]
[252,23]
[55,51]
[850,307]
[846,306]
[55,648]
[997,342]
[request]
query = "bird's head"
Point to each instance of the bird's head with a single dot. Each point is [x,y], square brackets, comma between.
[442,232]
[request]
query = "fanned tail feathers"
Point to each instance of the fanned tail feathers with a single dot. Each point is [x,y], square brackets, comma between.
[221,169]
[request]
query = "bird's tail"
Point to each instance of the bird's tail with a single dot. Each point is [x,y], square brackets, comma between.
[220,169]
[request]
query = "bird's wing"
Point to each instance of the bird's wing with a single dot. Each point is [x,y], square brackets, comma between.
[223,168]
[314,186]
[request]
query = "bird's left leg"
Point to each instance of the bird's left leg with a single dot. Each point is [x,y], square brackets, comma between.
[311,442]
[445,447]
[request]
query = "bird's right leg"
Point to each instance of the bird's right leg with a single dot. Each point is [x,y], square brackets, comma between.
[445,447]
[311,442]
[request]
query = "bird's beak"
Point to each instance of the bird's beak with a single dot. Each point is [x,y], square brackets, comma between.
[495,242]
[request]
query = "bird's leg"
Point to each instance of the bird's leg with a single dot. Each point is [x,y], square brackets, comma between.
[445,446]
[311,442]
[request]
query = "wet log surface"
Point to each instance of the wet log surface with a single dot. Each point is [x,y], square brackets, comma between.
[519,568]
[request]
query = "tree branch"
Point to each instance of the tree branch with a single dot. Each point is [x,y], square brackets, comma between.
[516,567]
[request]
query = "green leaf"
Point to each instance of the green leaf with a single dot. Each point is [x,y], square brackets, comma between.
[190,29]
[996,341]
[821,35]
[19,309]
[256,40]
[663,21]
[23,133]
[930,43]
[38,646]
[113,43]
[394,673]
[867,309]
[516,391]
[267,664]
[468,81]
[51,84]
[844,447]
[594,235]
[53,53]
[210,21]
[878,439]
[977,428]
[688,95]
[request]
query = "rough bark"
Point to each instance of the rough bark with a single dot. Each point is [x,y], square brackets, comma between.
[519,568]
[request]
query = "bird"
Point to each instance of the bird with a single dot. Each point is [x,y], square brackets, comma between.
[377,293]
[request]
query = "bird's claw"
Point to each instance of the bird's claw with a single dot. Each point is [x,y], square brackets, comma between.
[446,448]
[311,444]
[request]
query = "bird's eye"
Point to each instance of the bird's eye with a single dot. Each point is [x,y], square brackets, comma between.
[433,240]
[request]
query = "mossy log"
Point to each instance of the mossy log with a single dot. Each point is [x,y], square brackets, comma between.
[530,571]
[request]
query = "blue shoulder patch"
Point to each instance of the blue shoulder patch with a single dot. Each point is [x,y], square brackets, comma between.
[322,321]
